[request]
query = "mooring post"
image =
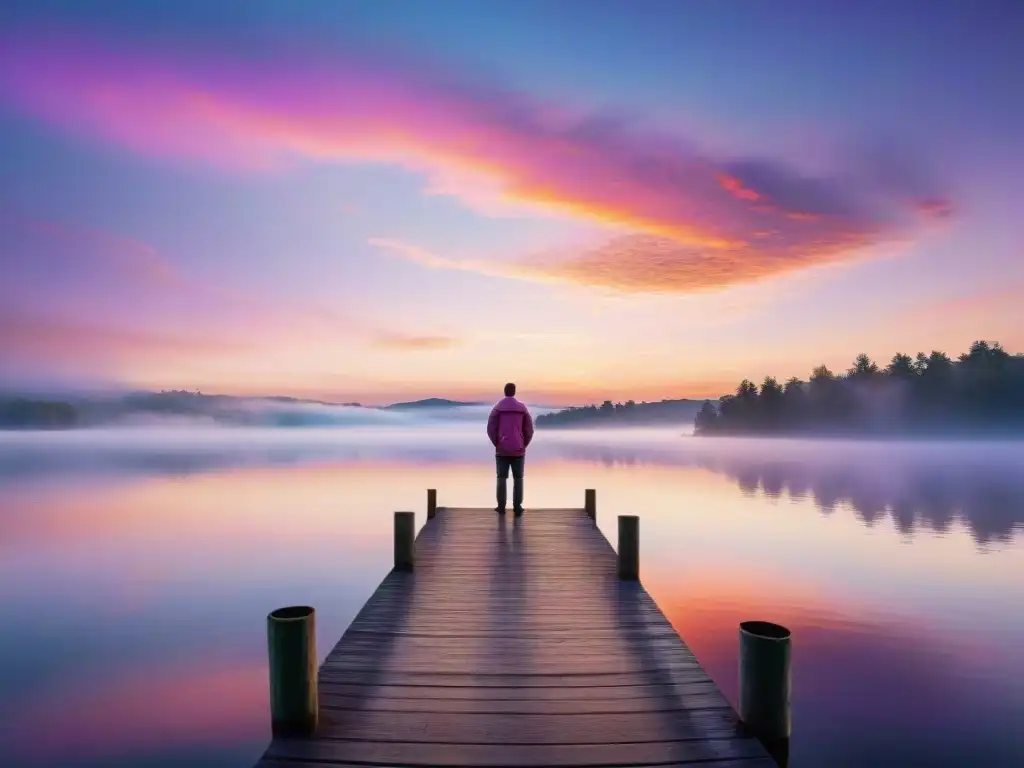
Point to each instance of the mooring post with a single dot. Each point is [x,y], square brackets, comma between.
[765,682]
[405,540]
[629,547]
[590,503]
[431,503]
[291,642]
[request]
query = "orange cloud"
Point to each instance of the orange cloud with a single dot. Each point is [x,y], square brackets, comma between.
[638,263]
[647,264]
[412,342]
[264,113]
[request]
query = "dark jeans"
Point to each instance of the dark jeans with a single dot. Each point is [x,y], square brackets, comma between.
[504,464]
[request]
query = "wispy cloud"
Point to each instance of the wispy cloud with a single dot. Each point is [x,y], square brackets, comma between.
[55,258]
[419,255]
[414,342]
[638,263]
[651,264]
[736,188]
[27,337]
[935,208]
[995,304]
[698,220]
[79,298]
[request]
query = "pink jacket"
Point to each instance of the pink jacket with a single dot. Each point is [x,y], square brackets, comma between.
[510,427]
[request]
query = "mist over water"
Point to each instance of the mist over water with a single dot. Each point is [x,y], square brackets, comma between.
[137,564]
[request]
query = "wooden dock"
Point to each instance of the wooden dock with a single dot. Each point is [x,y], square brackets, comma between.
[513,642]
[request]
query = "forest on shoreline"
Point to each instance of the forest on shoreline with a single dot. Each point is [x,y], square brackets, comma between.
[627,414]
[982,391]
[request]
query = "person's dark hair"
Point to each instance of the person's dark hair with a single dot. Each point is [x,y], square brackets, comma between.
[510,390]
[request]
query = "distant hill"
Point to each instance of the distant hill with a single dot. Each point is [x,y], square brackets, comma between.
[628,414]
[430,402]
[29,412]
[18,411]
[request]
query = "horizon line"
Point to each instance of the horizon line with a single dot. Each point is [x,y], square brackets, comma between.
[31,392]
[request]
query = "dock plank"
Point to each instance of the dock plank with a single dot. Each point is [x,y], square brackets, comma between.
[514,643]
[496,753]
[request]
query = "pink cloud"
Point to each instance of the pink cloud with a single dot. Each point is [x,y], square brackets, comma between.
[996,312]
[935,208]
[81,346]
[41,239]
[83,300]
[265,113]
[735,187]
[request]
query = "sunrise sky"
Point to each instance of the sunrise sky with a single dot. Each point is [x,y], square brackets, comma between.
[380,201]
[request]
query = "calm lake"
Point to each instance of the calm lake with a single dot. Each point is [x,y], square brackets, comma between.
[137,567]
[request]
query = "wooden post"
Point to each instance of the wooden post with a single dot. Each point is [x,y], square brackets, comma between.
[629,547]
[590,503]
[405,540]
[291,642]
[431,503]
[765,683]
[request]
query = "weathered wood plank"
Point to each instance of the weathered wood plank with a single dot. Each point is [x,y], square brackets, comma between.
[513,643]
[753,762]
[497,752]
[533,695]
[524,728]
[525,680]
[688,702]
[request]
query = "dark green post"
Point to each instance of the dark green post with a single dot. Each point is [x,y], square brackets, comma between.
[590,503]
[291,642]
[629,547]
[765,651]
[431,503]
[405,540]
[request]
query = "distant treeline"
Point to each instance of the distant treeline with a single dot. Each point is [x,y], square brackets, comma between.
[37,413]
[628,413]
[21,413]
[982,390]
[28,411]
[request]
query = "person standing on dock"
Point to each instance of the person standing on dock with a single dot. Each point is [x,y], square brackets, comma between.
[510,429]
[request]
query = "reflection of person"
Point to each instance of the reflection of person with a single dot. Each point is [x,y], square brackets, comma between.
[510,428]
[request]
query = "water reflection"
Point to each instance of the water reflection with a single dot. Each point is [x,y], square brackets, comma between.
[988,499]
[201,704]
[915,484]
[932,485]
[894,692]
[141,564]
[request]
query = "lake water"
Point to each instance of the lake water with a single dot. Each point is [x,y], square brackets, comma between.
[137,567]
